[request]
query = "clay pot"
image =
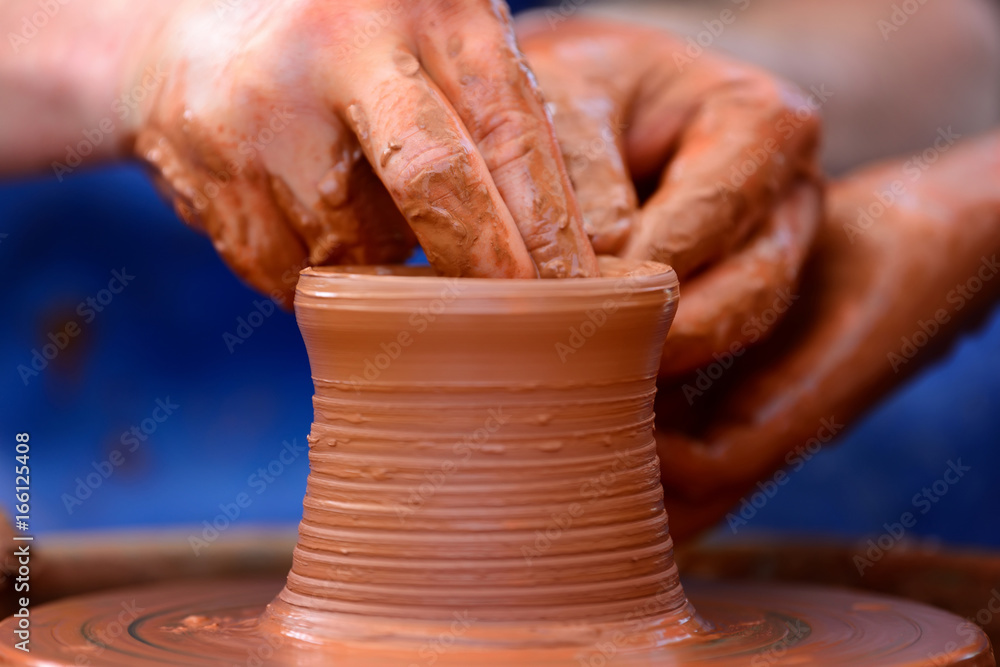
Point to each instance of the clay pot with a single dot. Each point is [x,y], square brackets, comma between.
[482,462]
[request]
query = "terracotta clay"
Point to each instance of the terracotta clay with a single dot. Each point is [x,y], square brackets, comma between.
[477,487]
[204,625]
[484,490]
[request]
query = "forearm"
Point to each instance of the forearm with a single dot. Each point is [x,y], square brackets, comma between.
[905,265]
[63,73]
[906,261]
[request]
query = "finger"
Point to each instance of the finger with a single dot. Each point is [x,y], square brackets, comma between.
[590,130]
[739,302]
[331,197]
[252,235]
[469,51]
[746,143]
[248,230]
[385,238]
[326,231]
[420,150]
[308,160]
[172,175]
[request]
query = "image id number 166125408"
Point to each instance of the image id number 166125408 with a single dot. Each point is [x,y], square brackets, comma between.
[22,540]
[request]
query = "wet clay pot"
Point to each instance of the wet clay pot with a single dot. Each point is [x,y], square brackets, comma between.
[483,467]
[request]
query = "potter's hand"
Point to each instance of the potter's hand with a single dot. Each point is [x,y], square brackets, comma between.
[908,256]
[280,127]
[734,152]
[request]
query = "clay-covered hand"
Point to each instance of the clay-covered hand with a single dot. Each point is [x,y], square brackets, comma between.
[730,150]
[296,132]
[907,258]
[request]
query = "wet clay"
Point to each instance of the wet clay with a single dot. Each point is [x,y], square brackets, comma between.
[448,479]
[484,449]
[484,490]
[202,625]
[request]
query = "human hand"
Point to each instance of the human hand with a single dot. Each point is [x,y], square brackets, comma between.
[890,285]
[629,106]
[295,133]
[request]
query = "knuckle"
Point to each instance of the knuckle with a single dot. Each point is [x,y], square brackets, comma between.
[437,188]
[507,135]
[426,173]
[778,99]
[792,105]
[505,119]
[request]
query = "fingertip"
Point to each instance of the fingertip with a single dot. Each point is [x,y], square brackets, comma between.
[497,99]
[437,178]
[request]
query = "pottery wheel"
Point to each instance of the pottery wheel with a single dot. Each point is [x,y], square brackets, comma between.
[216,624]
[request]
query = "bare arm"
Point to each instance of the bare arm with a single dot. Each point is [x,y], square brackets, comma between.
[62,68]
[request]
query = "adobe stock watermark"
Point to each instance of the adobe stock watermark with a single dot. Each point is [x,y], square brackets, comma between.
[594,319]
[121,108]
[463,449]
[261,654]
[796,631]
[913,169]
[590,492]
[900,15]
[602,653]
[922,501]
[224,7]
[59,340]
[787,125]
[968,629]
[563,12]
[419,321]
[365,33]
[131,439]
[257,482]
[796,460]
[598,146]
[262,309]
[289,279]
[957,299]
[704,39]
[104,636]
[248,150]
[432,649]
[753,330]
[246,326]
[32,24]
